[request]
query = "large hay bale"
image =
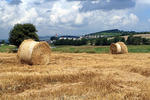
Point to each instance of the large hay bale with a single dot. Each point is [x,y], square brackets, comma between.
[118,48]
[34,53]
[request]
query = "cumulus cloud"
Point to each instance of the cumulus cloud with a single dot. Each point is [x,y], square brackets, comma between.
[67,16]
[95,1]
[26,12]
[113,19]
[143,1]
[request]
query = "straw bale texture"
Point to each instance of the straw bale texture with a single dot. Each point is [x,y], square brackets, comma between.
[34,53]
[118,48]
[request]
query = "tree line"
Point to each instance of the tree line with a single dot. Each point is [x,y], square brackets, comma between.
[70,42]
[21,32]
[102,41]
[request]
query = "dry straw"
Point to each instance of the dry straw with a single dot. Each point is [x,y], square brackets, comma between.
[118,48]
[34,53]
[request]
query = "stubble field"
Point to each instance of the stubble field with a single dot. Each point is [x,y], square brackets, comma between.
[77,76]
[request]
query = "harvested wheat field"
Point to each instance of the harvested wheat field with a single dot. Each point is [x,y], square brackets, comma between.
[80,76]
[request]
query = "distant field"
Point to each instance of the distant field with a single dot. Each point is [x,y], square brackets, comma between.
[111,34]
[99,49]
[143,35]
[81,49]
[85,49]
[7,48]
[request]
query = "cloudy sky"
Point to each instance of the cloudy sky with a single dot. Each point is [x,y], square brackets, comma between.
[75,17]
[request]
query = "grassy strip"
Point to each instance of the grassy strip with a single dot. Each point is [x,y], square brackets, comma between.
[81,49]
[139,48]
[99,49]
[85,49]
[7,48]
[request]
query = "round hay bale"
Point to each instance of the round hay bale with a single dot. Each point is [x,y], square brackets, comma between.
[118,48]
[34,53]
[124,48]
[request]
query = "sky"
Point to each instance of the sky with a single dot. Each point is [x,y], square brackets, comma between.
[75,17]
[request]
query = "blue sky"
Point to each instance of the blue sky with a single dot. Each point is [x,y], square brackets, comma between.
[75,17]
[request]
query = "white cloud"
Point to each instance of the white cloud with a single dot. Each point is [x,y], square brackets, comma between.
[133,18]
[79,19]
[27,16]
[62,16]
[113,19]
[64,12]
[143,1]
[96,1]
[68,15]
[26,12]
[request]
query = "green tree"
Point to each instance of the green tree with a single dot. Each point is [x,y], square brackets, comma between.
[101,41]
[146,41]
[53,38]
[130,39]
[71,42]
[3,42]
[105,41]
[118,38]
[21,32]
[137,40]
[123,39]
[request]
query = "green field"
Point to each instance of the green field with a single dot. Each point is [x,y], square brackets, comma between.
[7,48]
[99,49]
[111,34]
[85,49]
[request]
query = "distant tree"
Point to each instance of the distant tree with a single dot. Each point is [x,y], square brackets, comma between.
[105,41]
[146,41]
[21,32]
[83,41]
[110,41]
[118,38]
[101,41]
[123,40]
[137,40]
[53,38]
[91,41]
[130,39]
[71,42]
[3,42]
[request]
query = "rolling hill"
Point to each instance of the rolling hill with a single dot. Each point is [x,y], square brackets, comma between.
[115,32]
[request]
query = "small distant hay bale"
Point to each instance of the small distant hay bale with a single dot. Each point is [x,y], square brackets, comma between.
[34,53]
[118,48]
